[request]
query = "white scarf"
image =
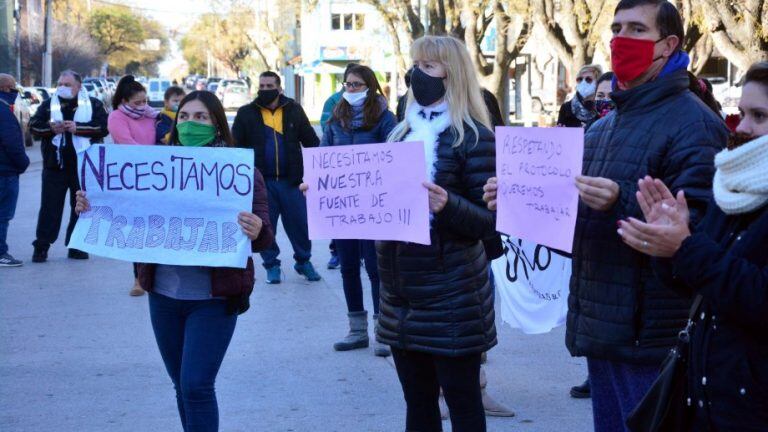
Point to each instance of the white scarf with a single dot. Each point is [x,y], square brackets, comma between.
[741,179]
[427,131]
[83,114]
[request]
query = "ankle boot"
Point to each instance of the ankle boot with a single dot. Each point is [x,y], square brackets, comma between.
[379,349]
[358,333]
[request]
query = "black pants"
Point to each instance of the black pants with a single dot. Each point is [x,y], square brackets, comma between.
[56,183]
[422,375]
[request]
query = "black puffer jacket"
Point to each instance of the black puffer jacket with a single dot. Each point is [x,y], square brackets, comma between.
[617,309]
[438,299]
[248,132]
[726,261]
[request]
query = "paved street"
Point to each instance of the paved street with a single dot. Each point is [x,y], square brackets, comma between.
[78,354]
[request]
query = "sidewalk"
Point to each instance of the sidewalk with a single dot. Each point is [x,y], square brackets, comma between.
[78,354]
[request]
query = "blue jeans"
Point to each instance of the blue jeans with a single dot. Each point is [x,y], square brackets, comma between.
[350,252]
[193,336]
[286,200]
[9,194]
[617,388]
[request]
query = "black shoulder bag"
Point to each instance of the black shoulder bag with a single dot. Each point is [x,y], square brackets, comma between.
[663,408]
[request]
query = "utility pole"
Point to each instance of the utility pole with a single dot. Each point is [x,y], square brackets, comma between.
[17,19]
[48,53]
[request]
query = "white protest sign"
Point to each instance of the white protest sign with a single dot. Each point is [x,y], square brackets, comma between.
[165,204]
[532,282]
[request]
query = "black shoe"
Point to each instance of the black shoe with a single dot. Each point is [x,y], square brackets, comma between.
[582,391]
[77,254]
[39,255]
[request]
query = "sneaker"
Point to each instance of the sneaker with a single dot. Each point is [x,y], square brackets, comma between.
[307,270]
[77,254]
[6,260]
[333,263]
[273,275]
[40,255]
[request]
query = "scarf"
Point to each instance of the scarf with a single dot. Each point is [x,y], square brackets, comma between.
[135,114]
[83,114]
[741,179]
[168,113]
[580,110]
[426,124]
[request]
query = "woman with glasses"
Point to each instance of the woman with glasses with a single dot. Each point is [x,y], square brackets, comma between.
[361,117]
[580,110]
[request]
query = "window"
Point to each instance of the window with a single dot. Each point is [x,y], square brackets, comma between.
[347,21]
[154,86]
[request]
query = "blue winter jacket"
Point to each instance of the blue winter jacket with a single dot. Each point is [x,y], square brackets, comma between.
[13,157]
[335,134]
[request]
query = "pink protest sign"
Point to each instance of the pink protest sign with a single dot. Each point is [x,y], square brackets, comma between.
[367,192]
[537,197]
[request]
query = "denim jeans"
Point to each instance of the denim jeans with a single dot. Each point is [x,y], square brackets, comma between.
[287,201]
[193,336]
[617,388]
[422,376]
[9,194]
[350,252]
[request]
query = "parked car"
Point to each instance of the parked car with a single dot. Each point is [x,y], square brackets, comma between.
[235,96]
[33,99]
[94,91]
[201,85]
[212,87]
[227,82]
[22,112]
[43,92]
[156,91]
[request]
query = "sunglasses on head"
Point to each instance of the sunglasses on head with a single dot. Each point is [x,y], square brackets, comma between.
[588,79]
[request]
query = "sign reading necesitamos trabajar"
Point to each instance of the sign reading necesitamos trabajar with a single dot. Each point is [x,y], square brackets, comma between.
[165,204]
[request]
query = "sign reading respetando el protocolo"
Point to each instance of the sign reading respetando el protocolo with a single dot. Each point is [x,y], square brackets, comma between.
[537,196]
[165,204]
[367,192]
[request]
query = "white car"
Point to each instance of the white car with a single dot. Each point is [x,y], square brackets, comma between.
[234,96]
[156,88]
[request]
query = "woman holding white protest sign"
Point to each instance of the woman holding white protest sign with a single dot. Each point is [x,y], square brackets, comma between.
[194,309]
[361,117]
[436,301]
[132,121]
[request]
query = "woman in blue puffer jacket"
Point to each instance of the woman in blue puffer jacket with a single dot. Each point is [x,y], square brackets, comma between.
[361,117]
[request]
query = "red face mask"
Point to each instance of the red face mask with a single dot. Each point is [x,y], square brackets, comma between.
[631,57]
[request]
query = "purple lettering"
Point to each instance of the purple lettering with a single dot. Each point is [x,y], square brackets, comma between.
[247,178]
[135,238]
[98,174]
[210,241]
[194,225]
[140,175]
[231,178]
[122,176]
[115,233]
[111,176]
[155,233]
[228,242]
[97,214]
[160,174]
[173,239]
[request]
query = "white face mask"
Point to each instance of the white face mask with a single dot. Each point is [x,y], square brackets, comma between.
[355,99]
[64,92]
[586,89]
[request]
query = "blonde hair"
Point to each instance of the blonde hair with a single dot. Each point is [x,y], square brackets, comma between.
[463,93]
[596,69]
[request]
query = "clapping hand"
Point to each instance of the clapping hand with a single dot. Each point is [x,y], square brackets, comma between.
[667,218]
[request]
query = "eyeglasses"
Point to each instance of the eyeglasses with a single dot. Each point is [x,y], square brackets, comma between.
[353,85]
[588,79]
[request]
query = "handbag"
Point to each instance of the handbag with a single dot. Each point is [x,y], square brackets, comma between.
[663,408]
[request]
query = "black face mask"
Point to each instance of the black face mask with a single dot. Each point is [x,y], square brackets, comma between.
[266,97]
[426,89]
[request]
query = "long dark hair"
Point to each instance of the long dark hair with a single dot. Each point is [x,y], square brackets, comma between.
[372,108]
[126,89]
[216,111]
[703,89]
